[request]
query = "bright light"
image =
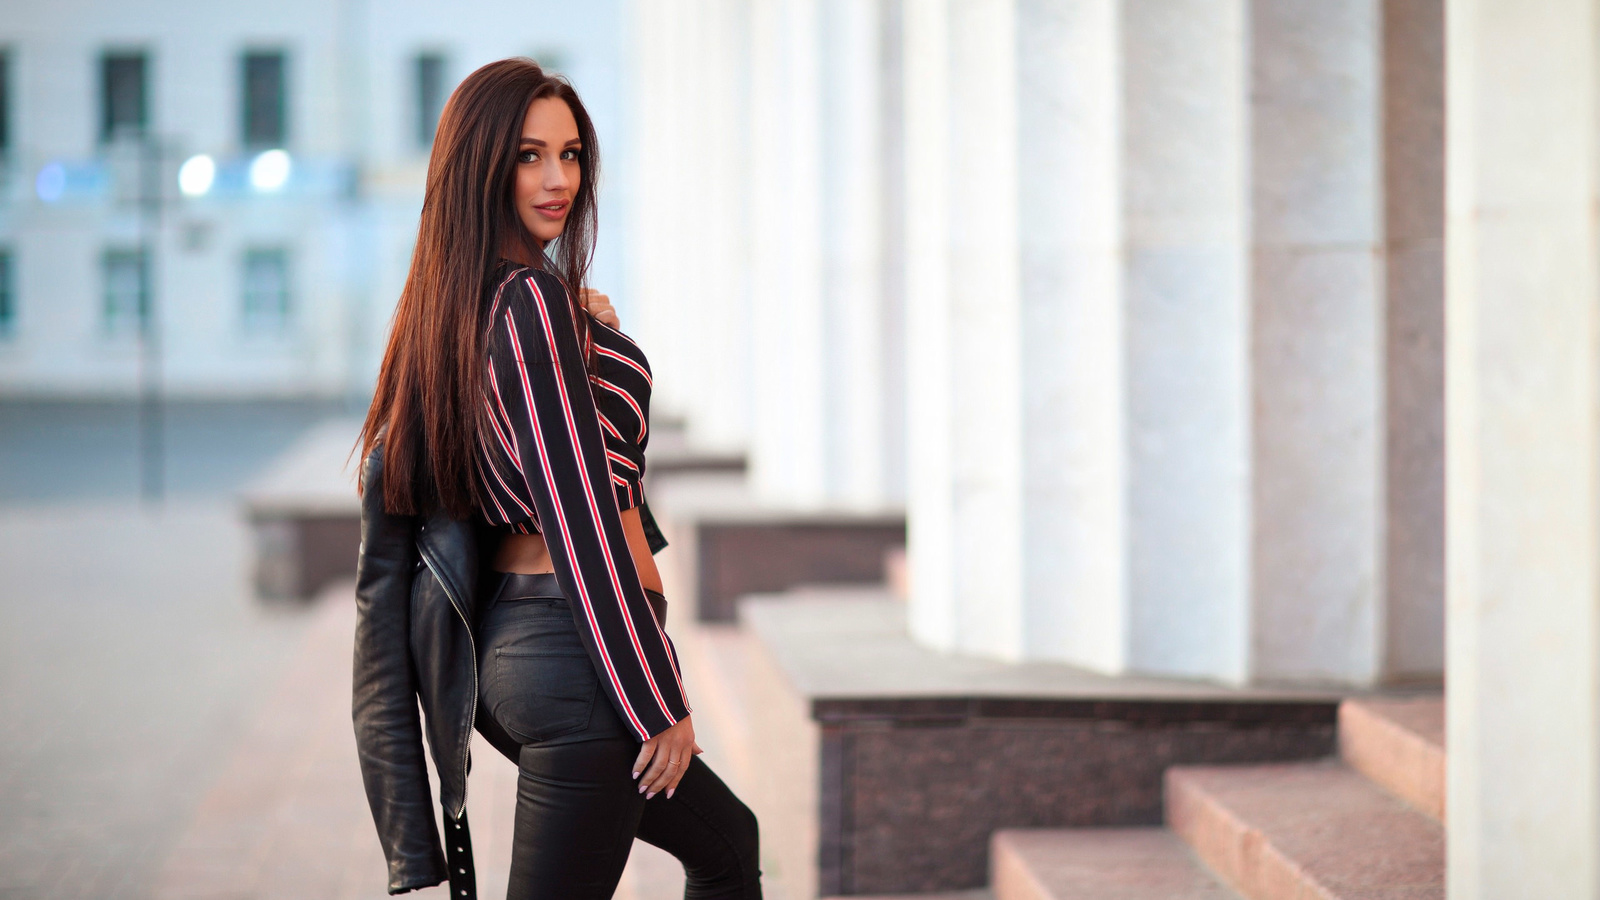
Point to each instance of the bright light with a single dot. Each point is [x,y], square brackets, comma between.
[270,170]
[51,183]
[196,174]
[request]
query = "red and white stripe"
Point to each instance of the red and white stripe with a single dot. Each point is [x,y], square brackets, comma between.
[572,559]
[589,494]
[632,403]
[623,358]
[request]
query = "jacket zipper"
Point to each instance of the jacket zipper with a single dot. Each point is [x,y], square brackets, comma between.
[472,707]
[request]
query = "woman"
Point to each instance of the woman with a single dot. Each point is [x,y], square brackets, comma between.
[506,574]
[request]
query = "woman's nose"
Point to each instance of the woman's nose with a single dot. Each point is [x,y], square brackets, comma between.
[555,176]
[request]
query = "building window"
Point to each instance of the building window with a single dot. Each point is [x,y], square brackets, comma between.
[264,107]
[266,289]
[5,102]
[430,96]
[8,295]
[127,291]
[124,108]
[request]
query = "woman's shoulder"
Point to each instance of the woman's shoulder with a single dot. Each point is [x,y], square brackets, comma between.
[528,283]
[519,286]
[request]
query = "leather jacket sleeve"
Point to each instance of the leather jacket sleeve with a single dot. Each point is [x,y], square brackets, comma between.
[388,726]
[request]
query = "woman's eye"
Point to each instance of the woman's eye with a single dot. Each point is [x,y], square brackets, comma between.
[569,154]
[528,156]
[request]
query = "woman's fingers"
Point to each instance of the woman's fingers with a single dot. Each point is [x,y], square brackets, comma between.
[677,774]
[599,306]
[646,750]
[668,755]
[671,775]
[657,777]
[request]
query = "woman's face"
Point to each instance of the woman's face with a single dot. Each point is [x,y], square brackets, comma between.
[547,168]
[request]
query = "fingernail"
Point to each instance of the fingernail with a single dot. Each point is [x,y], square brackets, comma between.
[641,788]
[669,792]
[636,776]
[649,795]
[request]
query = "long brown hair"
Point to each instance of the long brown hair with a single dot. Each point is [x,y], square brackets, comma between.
[428,407]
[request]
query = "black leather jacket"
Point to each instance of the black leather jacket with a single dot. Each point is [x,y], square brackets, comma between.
[417,598]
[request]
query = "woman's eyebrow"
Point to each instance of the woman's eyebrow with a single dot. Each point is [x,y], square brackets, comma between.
[538,143]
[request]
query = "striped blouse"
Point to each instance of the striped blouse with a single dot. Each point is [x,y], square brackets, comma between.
[559,436]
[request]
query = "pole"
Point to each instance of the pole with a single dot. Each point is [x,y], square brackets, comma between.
[152,449]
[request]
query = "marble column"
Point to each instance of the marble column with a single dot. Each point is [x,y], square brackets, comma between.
[1413,187]
[1228,440]
[854,247]
[1347,329]
[1317,316]
[1070,211]
[965,391]
[688,302]
[1185,303]
[790,415]
[1523,428]
[1078,410]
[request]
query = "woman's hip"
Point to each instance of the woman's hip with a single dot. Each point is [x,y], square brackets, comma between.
[535,675]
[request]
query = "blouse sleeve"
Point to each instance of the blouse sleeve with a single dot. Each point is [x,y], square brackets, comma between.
[537,375]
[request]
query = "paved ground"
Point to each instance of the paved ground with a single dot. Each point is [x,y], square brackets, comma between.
[131,650]
[130,656]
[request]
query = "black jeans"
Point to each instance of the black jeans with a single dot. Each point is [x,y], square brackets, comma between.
[578,806]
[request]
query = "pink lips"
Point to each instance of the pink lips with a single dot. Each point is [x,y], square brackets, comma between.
[554,210]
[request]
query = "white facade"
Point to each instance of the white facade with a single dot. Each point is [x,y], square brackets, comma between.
[344,222]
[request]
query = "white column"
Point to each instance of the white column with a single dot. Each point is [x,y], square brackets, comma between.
[1523,427]
[932,541]
[1413,339]
[791,417]
[1135,334]
[1078,381]
[1186,312]
[853,237]
[685,253]
[1070,215]
[965,390]
[1316,353]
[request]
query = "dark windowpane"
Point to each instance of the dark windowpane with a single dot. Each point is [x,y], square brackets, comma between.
[266,289]
[127,291]
[430,96]
[122,95]
[264,118]
[5,101]
[8,301]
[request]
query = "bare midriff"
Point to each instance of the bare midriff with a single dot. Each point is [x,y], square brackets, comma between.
[527,554]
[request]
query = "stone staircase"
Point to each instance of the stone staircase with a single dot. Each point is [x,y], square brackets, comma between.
[1366,825]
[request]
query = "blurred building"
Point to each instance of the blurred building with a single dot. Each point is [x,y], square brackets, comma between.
[239,185]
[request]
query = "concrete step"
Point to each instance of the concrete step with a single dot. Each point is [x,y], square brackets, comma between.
[1305,830]
[1399,743]
[1103,863]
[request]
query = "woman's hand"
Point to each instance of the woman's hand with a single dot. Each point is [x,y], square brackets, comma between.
[599,306]
[667,757]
